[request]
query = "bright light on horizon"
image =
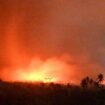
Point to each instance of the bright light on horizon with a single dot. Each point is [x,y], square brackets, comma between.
[32,76]
[50,70]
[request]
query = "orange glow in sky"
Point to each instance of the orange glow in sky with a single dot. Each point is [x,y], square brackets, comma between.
[34,77]
[51,70]
[51,40]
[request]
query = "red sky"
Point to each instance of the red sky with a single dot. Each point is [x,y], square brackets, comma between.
[70,31]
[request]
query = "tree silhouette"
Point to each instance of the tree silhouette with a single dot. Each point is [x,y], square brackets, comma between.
[91,82]
[85,82]
[100,78]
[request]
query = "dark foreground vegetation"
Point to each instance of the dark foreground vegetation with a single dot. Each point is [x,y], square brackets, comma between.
[49,94]
[90,92]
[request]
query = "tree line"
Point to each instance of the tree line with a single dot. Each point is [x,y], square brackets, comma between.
[90,82]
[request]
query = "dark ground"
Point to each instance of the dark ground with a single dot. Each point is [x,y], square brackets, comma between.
[49,94]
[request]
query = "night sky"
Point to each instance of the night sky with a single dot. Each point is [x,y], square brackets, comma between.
[71,32]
